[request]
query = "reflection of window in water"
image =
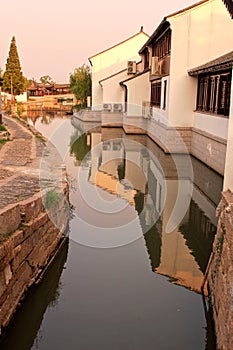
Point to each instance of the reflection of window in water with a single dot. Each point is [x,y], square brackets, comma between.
[116,146]
[199,233]
[106,146]
[153,240]
[152,186]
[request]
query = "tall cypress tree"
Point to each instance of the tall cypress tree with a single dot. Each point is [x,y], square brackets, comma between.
[13,77]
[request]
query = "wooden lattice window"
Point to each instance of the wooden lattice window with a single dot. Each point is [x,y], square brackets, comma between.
[214,93]
[162,46]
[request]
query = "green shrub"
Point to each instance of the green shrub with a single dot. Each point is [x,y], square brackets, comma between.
[2,127]
[52,199]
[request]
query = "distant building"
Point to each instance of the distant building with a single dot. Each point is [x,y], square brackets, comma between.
[39,89]
[50,96]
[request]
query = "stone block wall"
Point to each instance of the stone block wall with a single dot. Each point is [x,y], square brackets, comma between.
[208,181]
[220,277]
[28,239]
[170,139]
[209,149]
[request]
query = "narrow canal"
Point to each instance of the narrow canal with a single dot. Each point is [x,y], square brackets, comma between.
[130,275]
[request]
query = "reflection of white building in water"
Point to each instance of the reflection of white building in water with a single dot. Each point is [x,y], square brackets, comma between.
[129,170]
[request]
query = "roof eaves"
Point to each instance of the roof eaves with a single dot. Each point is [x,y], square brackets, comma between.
[219,64]
[153,35]
[113,75]
[135,76]
[122,42]
[187,8]
[166,19]
[229,6]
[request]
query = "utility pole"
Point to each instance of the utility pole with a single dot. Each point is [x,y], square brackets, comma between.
[1,81]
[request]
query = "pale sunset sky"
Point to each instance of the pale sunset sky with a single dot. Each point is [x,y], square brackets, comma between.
[54,37]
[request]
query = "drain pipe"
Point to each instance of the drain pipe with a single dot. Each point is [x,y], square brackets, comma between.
[126,94]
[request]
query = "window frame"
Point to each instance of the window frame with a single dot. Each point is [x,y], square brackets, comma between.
[213,93]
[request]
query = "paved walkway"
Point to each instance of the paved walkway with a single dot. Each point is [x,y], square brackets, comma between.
[19,164]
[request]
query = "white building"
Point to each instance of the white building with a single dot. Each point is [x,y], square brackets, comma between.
[109,67]
[176,87]
[184,86]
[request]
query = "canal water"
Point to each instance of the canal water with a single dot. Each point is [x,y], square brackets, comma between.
[140,236]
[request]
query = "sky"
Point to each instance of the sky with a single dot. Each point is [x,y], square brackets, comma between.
[54,37]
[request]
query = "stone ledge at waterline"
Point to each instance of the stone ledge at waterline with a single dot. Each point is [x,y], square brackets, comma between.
[28,240]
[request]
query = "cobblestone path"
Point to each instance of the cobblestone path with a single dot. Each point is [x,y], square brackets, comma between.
[19,188]
[19,164]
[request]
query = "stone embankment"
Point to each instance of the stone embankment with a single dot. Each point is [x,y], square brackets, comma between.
[32,221]
[220,276]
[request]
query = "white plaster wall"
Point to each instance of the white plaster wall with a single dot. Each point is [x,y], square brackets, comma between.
[217,126]
[138,91]
[160,116]
[97,94]
[112,91]
[114,60]
[199,35]
[228,175]
[21,98]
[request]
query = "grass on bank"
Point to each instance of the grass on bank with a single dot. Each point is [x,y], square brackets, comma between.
[4,139]
[2,128]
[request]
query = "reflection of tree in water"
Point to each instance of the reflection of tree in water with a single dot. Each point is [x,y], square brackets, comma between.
[79,147]
[199,234]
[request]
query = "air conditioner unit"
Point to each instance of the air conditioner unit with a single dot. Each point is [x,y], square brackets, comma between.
[155,65]
[131,67]
[146,109]
[117,107]
[107,107]
[160,70]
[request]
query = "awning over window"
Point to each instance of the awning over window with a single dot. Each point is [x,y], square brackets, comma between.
[218,65]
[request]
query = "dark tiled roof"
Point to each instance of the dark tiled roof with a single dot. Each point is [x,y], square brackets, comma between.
[162,26]
[229,5]
[62,86]
[219,64]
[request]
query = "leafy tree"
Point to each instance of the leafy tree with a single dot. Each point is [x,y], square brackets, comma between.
[80,83]
[27,82]
[46,79]
[13,76]
[1,72]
